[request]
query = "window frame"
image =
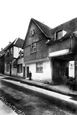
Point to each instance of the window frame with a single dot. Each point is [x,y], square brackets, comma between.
[19,68]
[11,50]
[33,47]
[39,67]
[57,34]
[7,67]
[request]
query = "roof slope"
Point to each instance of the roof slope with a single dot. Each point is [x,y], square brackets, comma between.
[44,28]
[69,26]
[19,42]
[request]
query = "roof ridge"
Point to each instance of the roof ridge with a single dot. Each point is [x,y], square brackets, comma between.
[39,24]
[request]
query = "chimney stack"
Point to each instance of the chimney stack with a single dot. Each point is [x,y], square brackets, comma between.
[1,49]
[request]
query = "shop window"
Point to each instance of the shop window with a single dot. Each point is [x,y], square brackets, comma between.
[33,47]
[39,67]
[19,68]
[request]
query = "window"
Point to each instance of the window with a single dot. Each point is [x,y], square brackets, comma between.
[11,50]
[19,68]
[32,32]
[39,67]
[7,67]
[59,34]
[33,47]
[7,52]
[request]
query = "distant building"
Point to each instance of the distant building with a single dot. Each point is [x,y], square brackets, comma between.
[11,54]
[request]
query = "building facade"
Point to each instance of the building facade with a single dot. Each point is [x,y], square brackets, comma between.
[62,51]
[36,52]
[11,54]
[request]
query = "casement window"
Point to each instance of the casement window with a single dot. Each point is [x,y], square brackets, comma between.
[19,68]
[39,67]
[33,47]
[7,67]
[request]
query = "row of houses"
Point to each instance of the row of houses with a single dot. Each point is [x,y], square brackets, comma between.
[49,54]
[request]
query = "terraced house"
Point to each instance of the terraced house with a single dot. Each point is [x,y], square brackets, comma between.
[63,52]
[12,52]
[36,51]
[50,54]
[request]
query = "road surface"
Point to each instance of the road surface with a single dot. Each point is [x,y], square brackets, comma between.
[30,103]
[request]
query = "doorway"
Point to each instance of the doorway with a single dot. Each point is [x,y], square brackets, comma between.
[24,72]
[10,69]
[27,71]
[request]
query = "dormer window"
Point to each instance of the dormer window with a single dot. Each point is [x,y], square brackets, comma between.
[58,35]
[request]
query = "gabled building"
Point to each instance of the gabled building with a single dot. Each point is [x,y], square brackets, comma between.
[2,61]
[63,51]
[36,51]
[11,54]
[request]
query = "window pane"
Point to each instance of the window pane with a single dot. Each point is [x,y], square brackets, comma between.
[19,68]
[33,47]
[39,67]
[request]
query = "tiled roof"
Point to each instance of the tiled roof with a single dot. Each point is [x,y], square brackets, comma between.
[69,26]
[19,42]
[44,28]
[2,53]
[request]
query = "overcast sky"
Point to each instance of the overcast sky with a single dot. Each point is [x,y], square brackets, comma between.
[15,16]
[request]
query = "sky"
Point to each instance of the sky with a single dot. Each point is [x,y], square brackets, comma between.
[15,16]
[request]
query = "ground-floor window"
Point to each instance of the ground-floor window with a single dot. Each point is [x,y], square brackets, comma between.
[7,67]
[39,67]
[19,68]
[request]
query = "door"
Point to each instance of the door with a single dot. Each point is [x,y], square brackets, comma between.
[10,69]
[27,71]
[24,72]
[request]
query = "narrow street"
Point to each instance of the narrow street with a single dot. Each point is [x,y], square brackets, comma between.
[29,103]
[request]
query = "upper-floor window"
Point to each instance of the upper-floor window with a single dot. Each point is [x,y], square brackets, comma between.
[59,34]
[7,52]
[33,47]
[32,32]
[11,50]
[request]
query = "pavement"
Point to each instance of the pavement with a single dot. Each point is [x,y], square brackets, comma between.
[6,110]
[67,99]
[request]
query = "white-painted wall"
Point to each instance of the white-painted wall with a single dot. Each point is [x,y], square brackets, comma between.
[16,51]
[47,72]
